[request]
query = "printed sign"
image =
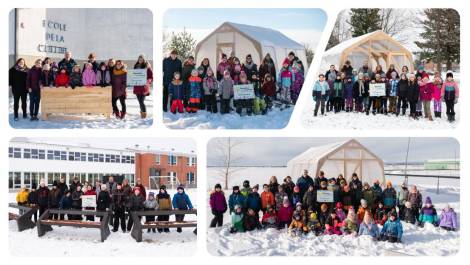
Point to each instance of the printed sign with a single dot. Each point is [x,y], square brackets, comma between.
[136,77]
[324,196]
[89,201]
[376,90]
[243,91]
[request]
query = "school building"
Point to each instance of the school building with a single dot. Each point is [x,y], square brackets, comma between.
[30,161]
[118,33]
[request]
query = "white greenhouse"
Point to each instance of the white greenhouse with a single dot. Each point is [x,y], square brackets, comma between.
[377,47]
[241,40]
[345,158]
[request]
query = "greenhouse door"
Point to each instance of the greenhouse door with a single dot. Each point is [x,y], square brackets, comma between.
[224,48]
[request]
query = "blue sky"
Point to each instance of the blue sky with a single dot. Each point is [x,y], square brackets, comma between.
[277,151]
[273,18]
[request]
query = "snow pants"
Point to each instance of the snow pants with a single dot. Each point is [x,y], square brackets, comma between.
[176,105]
[427,108]
[224,106]
[320,103]
[211,103]
[218,219]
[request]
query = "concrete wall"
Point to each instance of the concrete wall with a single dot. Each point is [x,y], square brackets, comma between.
[109,33]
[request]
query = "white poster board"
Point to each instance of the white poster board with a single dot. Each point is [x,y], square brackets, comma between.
[243,91]
[89,201]
[324,196]
[136,77]
[377,90]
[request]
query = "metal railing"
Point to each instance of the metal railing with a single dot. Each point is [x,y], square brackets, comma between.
[438,177]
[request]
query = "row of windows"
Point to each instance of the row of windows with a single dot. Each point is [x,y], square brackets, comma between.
[18,179]
[29,153]
[173,160]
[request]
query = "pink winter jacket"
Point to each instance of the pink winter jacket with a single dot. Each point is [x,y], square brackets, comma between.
[426,91]
[452,83]
[285,214]
[89,77]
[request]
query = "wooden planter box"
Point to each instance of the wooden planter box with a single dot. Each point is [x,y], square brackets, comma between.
[81,100]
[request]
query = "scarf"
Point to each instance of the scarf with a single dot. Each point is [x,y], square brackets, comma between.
[361,88]
[119,71]
[21,69]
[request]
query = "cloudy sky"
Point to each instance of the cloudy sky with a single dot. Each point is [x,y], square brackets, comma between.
[277,151]
[302,25]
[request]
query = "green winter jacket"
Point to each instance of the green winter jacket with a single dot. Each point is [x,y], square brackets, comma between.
[245,192]
[369,196]
[349,226]
[237,222]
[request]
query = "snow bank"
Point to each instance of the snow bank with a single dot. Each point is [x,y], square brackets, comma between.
[72,241]
[275,119]
[132,119]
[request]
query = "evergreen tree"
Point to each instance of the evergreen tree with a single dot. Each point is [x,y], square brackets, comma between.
[441,37]
[364,20]
[183,42]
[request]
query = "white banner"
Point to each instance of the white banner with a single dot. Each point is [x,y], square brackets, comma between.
[377,90]
[243,91]
[88,201]
[136,77]
[324,196]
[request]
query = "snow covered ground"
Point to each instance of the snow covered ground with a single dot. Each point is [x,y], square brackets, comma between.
[71,241]
[275,119]
[132,119]
[416,241]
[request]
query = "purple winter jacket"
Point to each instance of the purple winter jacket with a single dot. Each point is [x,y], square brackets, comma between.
[448,219]
[33,78]
[218,202]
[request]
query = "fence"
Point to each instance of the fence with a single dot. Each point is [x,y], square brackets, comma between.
[438,177]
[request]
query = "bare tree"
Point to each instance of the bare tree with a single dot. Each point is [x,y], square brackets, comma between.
[309,53]
[341,30]
[228,153]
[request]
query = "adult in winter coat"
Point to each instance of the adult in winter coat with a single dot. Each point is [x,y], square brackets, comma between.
[164,202]
[450,94]
[236,198]
[318,179]
[43,197]
[150,204]
[135,203]
[218,205]
[416,200]
[369,195]
[251,220]
[77,201]
[273,185]
[119,89]
[188,67]
[54,199]
[17,81]
[268,90]
[267,67]
[267,198]
[289,186]
[119,208]
[331,74]
[347,68]
[448,219]
[428,213]
[402,197]
[389,197]
[310,198]
[67,62]
[253,201]
[413,95]
[368,227]
[355,185]
[249,67]
[377,191]
[103,199]
[392,230]
[34,86]
[181,201]
[402,94]
[33,199]
[171,64]
[304,182]
[143,91]
[65,203]
[320,94]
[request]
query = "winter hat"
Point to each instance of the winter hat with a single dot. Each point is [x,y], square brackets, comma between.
[298,204]
[55,183]
[180,188]
[324,207]
[137,189]
[256,187]
[285,200]
[235,188]
[246,184]
[151,194]
[163,187]
[339,205]
[296,188]
[218,186]
[286,61]
[313,216]
[332,180]
[450,74]
[428,200]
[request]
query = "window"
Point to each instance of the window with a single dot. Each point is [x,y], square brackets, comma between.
[172,160]
[157,159]
[83,157]
[34,153]
[10,151]
[132,159]
[71,156]
[108,158]
[16,152]
[27,179]
[10,179]
[191,161]
[16,180]
[26,153]
[190,177]
[101,158]
[63,155]
[50,155]
[130,178]
[41,154]
[118,159]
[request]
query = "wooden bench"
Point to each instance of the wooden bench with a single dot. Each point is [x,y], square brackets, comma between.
[23,219]
[136,232]
[45,224]
[81,100]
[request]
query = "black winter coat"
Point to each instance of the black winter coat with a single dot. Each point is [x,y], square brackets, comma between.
[17,81]
[103,201]
[33,197]
[119,200]
[54,198]
[76,199]
[43,196]
[136,203]
[402,90]
[356,91]
[169,68]
[251,223]
[413,92]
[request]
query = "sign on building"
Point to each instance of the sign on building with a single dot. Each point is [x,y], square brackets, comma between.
[136,77]
[243,91]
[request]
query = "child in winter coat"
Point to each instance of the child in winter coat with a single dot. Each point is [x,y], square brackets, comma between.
[285,213]
[332,225]
[297,227]
[150,204]
[47,76]
[428,213]
[323,215]
[253,201]
[251,220]
[361,212]
[194,92]
[409,214]
[347,197]
[426,94]
[389,197]
[337,94]
[267,198]
[436,96]
[246,188]
[448,219]
[88,75]
[76,79]
[210,86]
[279,197]
[22,196]
[241,104]
[181,201]
[393,88]
[413,95]
[225,92]
[268,91]
[313,223]
[320,94]
[62,78]
[450,94]
[350,223]
[269,219]
[380,214]
[176,92]
[392,230]
[164,203]
[236,198]
[348,94]
[340,212]
[298,77]
[285,81]
[402,94]
[237,220]
[218,205]
[296,196]
[368,227]
[103,77]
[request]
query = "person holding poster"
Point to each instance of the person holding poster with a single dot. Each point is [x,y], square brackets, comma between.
[143,90]
[244,95]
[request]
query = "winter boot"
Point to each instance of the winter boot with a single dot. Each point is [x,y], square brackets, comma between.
[143,115]
[122,115]
[117,114]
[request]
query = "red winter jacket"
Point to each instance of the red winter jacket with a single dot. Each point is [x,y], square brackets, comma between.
[145,90]
[62,80]
[285,214]
[269,88]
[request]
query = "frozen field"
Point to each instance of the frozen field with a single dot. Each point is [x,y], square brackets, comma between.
[132,119]
[416,241]
[275,119]
[71,241]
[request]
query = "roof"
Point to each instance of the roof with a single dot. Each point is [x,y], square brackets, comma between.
[317,152]
[266,36]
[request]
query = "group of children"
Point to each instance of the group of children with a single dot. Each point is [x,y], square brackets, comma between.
[348,90]
[356,209]
[203,87]
[119,198]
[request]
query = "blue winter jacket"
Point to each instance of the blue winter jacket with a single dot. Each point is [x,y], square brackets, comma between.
[253,201]
[176,91]
[194,89]
[236,198]
[182,201]
[65,202]
[392,228]
[369,230]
